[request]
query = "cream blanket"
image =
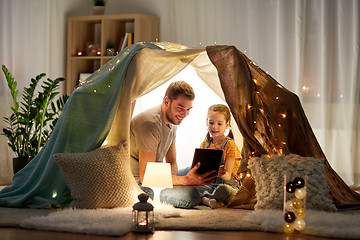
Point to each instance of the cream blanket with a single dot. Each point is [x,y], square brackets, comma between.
[117,222]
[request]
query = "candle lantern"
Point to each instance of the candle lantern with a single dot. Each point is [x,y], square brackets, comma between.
[143,215]
[79,52]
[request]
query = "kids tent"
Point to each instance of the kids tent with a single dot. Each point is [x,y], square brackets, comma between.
[101,109]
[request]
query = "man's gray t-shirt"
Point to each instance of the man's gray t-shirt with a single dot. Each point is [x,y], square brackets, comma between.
[148,132]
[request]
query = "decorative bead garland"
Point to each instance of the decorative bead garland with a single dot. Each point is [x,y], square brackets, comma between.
[294,209]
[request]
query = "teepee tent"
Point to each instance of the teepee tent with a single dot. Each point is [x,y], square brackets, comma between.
[101,109]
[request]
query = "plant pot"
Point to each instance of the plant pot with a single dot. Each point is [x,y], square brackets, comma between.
[110,52]
[20,163]
[98,10]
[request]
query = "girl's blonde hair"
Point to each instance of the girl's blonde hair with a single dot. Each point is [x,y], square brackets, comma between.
[221,108]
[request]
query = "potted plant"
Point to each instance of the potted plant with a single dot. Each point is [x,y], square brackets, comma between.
[33,119]
[99,7]
[110,49]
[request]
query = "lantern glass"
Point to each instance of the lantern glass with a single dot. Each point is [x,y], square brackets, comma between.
[143,221]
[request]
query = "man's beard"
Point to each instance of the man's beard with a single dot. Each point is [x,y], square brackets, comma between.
[170,117]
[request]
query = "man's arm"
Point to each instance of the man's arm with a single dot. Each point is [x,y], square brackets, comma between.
[144,158]
[193,178]
[171,158]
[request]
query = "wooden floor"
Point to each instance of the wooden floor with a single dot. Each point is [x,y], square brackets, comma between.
[22,234]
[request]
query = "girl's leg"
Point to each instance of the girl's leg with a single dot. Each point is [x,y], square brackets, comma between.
[211,202]
[224,193]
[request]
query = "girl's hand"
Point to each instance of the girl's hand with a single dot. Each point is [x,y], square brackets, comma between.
[222,170]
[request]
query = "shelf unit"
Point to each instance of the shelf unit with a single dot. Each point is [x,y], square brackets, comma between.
[99,30]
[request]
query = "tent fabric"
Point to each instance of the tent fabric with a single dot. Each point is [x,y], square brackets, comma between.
[271,118]
[98,110]
[101,110]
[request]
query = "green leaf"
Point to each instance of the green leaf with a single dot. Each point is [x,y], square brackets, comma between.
[32,121]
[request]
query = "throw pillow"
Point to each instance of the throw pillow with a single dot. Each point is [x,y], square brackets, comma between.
[101,178]
[268,173]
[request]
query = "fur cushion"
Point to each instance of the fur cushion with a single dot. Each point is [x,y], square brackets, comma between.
[268,173]
[100,178]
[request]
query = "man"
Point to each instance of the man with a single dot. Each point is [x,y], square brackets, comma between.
[152,138]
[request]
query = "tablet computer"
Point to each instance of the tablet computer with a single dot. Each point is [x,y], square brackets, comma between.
[210,159]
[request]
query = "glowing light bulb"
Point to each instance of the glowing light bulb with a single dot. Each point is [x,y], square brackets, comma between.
[289,228]
[283,115]
[54,195]
[297,203]
[300,213]
[300,193]
[94,90]
[299,224]
[289,206]
[305,88]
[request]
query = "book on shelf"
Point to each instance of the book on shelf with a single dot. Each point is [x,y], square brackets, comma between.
[121,43]
[126,40]
[130,38]
[124,44]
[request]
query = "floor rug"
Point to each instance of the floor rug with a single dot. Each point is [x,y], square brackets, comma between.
[117,222]
[326,224]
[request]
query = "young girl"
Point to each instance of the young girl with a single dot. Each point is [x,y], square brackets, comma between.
[220,193]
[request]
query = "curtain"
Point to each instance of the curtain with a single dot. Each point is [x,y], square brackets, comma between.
[310,47]
[32,41]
